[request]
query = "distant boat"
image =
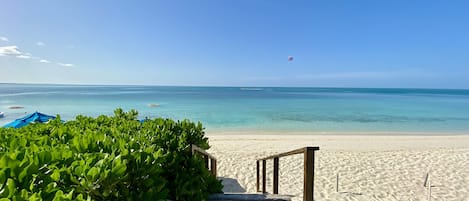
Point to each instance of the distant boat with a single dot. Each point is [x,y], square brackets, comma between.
[15,107]
[2,114]
[153,105]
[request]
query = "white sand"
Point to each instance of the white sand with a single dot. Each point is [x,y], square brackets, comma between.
[371,167]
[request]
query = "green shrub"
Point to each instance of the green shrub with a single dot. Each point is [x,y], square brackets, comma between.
[105,158]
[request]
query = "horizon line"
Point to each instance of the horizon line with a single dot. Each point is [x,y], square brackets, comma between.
[232,86]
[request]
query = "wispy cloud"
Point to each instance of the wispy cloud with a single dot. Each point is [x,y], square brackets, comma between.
[10,51]
[23,57]
[66,65]
[4,39]
[40,43]
[14,51]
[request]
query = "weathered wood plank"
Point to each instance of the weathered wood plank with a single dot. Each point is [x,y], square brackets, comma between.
[213,166]
[248,197]
[264,176]
[296,151]
[208,159]
[258,189]
[276,161]
[308,187]
[200,150]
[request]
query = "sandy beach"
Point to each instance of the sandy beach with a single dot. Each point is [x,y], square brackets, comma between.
[380,166]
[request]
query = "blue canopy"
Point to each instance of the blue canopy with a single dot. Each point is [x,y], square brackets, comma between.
[34,117]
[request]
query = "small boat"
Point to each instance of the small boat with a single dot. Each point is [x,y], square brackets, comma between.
[153,105]
[2,114]
[15,107]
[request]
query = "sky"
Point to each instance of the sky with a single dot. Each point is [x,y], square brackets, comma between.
[335,43]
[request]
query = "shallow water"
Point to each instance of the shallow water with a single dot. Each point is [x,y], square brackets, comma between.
[270,108]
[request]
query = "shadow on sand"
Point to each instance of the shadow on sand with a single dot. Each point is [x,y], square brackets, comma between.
[231,185]
[351,193]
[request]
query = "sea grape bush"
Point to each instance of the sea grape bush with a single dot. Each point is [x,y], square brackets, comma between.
[105,158]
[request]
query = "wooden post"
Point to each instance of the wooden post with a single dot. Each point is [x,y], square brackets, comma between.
[337,184]
[276,175]
[308,186]
[258,189]
[264,173]
[213,166]
[425,181]
[206,161]
[192,149]
[429,191]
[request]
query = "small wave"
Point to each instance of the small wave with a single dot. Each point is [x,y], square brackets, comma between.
[363,119]
[110,93]
[135,88]
[6,101]
[251,89]
[27,93]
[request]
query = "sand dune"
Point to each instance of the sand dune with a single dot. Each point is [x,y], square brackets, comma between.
[370,167]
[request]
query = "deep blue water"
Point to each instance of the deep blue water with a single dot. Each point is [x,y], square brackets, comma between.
[258,108]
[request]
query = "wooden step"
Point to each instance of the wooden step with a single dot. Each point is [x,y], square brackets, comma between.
[248,197]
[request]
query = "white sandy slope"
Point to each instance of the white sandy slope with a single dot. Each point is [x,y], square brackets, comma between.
[387,166]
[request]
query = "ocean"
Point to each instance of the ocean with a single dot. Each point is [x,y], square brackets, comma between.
[254,108]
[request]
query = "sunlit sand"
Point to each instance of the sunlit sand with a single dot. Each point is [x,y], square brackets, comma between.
[370,167]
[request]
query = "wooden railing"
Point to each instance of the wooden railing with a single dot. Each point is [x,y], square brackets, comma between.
[308,183]
[207,158]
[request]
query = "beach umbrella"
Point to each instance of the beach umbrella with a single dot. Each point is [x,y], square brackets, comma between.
[34,117]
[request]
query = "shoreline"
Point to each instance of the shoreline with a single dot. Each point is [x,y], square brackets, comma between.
[332,133]
[334,142]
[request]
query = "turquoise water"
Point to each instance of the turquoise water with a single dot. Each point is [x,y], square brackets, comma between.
[238,108]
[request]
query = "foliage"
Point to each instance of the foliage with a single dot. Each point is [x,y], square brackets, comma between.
[105,158]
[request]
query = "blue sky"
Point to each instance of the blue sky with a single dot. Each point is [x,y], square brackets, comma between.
[398,43]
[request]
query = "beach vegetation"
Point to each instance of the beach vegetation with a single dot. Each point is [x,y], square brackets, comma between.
[105,158]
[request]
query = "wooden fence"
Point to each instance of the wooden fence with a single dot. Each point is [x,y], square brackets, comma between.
[210,161]
[308,183]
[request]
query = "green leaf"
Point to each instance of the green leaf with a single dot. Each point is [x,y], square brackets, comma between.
[44,157]
[9,190]
[55,175]
[3,178]
[35,197]
[59,196]
[118,167]
[93,173]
